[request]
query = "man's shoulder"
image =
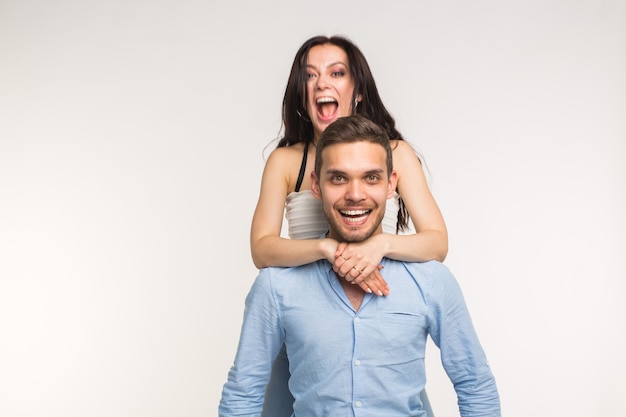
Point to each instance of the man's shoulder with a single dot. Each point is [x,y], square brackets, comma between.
[276,275]
[428,267]
[284,283]
[277,271]
[433,267]
[426,274]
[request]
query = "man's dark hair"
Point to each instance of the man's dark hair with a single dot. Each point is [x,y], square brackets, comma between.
[352,129]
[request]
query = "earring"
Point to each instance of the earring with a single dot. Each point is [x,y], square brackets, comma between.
[304,117]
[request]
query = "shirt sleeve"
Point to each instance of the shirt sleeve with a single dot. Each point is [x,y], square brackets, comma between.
[259,343]
[462,356]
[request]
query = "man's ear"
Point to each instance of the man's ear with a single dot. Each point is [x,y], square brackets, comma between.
[393,182]
[315,186]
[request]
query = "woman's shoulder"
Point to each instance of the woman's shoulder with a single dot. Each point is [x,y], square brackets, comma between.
[283,164]
[286,157]
[404,154]
[283,153]
[399,145]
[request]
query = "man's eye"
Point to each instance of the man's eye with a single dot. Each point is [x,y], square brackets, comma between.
[337,179]
[372,178]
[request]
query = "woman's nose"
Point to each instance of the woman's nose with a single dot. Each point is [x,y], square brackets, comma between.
[322,82]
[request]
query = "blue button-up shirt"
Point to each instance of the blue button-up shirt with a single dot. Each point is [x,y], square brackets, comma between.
[368,362]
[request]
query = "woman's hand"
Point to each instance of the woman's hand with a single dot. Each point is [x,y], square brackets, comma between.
[359,263]
[329,248]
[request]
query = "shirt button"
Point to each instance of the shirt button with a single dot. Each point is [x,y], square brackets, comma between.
[356,320]
[358,404]
[357,362]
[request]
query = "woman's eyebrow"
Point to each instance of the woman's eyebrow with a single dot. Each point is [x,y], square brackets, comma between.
[330,65]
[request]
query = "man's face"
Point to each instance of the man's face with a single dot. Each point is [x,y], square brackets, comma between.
[354,186]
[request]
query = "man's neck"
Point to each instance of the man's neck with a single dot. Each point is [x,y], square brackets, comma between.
[354,293]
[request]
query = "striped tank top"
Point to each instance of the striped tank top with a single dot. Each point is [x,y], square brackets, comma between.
[306,220]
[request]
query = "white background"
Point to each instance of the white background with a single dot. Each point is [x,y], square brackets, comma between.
[132,138]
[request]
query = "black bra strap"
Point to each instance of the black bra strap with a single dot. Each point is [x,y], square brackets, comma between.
[302,167]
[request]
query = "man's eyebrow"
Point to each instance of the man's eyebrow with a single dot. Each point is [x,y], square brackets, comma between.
[375,171]
[333,171]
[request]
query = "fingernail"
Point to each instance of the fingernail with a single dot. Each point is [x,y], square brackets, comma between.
[369,290]
[380,293]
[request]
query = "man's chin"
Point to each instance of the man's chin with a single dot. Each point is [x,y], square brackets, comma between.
[352,236]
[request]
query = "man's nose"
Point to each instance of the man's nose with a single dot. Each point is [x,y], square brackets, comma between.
[355,192]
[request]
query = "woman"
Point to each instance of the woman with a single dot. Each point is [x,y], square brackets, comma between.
[330,78]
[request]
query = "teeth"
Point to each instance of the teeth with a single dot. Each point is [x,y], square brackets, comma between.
[355,219]
[326,100]
[355,216]
[354,212]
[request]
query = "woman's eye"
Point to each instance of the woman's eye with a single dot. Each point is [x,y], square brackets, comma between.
[338,73]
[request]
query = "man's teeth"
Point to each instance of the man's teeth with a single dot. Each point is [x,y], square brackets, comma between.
[355,216]
[354,212]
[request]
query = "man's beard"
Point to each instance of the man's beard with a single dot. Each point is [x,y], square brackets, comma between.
[345,233]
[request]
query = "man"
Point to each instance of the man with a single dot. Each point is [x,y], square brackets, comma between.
[352,353]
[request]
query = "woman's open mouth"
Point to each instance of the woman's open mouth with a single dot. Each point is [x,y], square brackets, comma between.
[326,108]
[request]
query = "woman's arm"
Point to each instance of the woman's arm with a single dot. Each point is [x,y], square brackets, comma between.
[268,248]
[430,240]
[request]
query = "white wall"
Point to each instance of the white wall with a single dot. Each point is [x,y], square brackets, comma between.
[131,148]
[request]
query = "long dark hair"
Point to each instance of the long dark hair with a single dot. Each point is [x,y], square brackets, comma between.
[296,122]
